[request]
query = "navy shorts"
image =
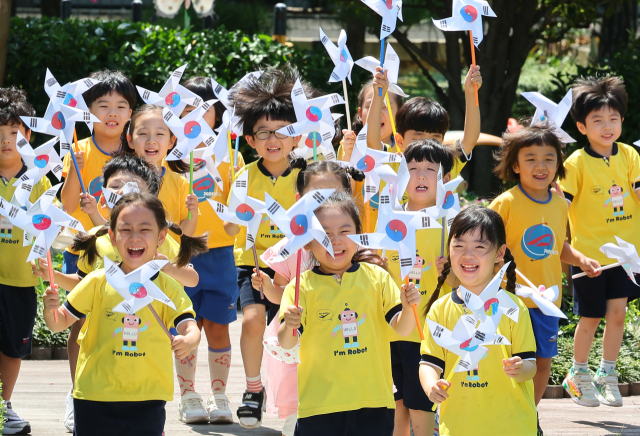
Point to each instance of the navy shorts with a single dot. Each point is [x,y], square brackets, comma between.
[370,422]
[216,295]
[545,330]
[69,263]
[18,310]
[405,368]
[248,295]
[122,418]
[590,295]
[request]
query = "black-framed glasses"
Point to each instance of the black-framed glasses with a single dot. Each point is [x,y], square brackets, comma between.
[266,134]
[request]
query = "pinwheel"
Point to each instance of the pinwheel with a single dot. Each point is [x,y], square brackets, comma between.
[39,162]
[221,147]
[69,94]
[245,211]
[172,95]
[543,297]
[170,8]
[343,64]
[311,115]
[300,226]
[112,197]
[626,256]
[467,15]
[305,146]
[549,113]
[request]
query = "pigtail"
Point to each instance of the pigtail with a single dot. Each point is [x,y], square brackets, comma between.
[511,271]
[356,174]
[297,162]
[446,269]
[357,124]
[178,166]
[87,244]
[368,256]
[189,245]
[124,142]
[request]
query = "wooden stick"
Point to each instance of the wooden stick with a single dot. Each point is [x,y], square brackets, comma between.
[51,282]
[346,103]
[164,327]
[75,162]
[190,178]
[257,262]
[233,170]
[529,282]
[506,356]
[297,297]
[444,226]
[473,62]
[415,312]
[602,268]
[448,379]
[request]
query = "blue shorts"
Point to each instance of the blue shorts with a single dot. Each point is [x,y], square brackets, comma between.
[216,295]
[405,368]
[590,295]
[69,263]
[248,295]
[545,330]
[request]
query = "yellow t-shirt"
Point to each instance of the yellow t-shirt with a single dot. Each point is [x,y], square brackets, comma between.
[344,346]
[603,201]
[112,369]
[483,401]
[94,160]
[14,268]
[206,188]
[535,236]
[283,190]
[423,274]
[173,194]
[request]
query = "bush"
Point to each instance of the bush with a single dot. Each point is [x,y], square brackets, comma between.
[42,335]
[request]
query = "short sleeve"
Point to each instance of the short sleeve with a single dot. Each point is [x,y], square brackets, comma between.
[340,153]
[81,300]
[431,352]
[634,169]
[523,342]
[66,163]
[390,294]
[570,184]
[502,206]
[288,299]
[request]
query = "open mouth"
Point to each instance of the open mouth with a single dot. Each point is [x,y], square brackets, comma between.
[607,137]
[273,149]
[111,124]
[421,188]
[469,268]
[151,152]
[339,253]
[540,177]
[135,252]
[7,149]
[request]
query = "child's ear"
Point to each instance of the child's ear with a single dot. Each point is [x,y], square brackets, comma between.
[112,237]
[161,236]
[516,168]
[400,141]
[298,196]
[172,142]
[26,133]
[446,178]
[581,127]
[130,141]
[250,140]
[500,254]
[307,247]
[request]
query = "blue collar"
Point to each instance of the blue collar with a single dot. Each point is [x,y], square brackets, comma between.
[93,139]
[535,201]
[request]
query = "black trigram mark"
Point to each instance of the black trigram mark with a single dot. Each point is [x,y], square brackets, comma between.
[384,199]
[485,10]
[467,297]
[470,320]
[24,178]
[197,102]
[126,306]
[480,336]
[362,137]
[38,250]
[406,262]
[218,179]
[512,311]
[205,107]
[426,222]
[250,238]
[364,240]
[26,187]
[65,146]
[464,364]
[168,116]
[391,56]
[57,168]
[51,81]
[219,208]
[111,271]
[439,178]
[209,140]
[450,221]
[274,208]
[88,83]
[318,197]
[438,331]
[33,123]
[334,76]
[22,143]
[146,94]
[155,266]
[335,98]
[177,74]
[284,252]
[87,116]
[370,188]
[325,39]
[241,183]
[498,340]
[386,28]
[298,91]
[50,193]
[326,241]
[218,88]
[113,197]
[443,24]
[73,224]
[178,154]
[327,136]
[475,41]
[61,94]
[291,130]
[330,156]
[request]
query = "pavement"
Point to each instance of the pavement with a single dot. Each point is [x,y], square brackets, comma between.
[42,386]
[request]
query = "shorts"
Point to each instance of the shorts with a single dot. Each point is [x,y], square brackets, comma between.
[122,418]
[405,368]
[545,330]
[248,295]
[370,422]
[216,295]
[69,263]
[590,295]
[18,311]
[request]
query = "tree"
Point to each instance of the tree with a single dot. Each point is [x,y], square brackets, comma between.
[5,20]
[50,8]
[619,26]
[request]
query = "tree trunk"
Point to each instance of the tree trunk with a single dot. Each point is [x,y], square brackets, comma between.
[5,22]
[50,8]
[618,27]
[355,37]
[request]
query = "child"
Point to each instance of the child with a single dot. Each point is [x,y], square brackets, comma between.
[345,293]
[147,136]
[493,407]
[603,188]
[113,390]
[263,105]
[18,304]
[214,299]
[281,381]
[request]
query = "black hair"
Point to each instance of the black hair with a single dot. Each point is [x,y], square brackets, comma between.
[593,93]
[110,81]
[13,105]
[133,165]
[491,227]
[432,151]
[177,166]
[203,88]
[422,115]
[358,123]
[308,170]
[189,245]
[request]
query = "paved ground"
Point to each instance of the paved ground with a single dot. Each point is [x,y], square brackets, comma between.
[42,387]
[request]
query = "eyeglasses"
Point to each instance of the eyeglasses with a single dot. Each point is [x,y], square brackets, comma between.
[266,134]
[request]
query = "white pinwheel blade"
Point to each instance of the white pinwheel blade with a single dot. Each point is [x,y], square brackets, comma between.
[39,247]
[544,303]
[149,97]
[253,228]
[374,241]
[278,214]
[51,85]
[318,233]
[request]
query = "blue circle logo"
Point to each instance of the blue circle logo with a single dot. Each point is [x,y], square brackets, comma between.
[538,242]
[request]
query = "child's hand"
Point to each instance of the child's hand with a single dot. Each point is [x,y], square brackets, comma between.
[80,159]
[440,261]
[180,346]
[348,142]
[292,317]
[410,295]
[42,271]
[51,299]
[380,80]
[512,366]
[235,170]
[556,189]
[192,203]
[385,262]
[590,266]
[264,280]
[437,393]
[88,204]
[473,78]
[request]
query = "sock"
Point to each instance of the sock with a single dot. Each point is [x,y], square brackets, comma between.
[187,374]
[606,366]
[577,366]
[219,363]
[254,384]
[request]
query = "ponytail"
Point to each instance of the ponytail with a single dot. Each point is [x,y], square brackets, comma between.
[368,256]
[511,271]
[178,166]
[309,170]
[87,244]
[446,269]
[189,245]
[124,142]
[356,174]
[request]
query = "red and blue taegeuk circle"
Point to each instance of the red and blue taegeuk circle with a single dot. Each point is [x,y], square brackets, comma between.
[192,129]
[469,13]
[537,242]
[41,222]
[388,4]
[449,200]
[69,100]
[137,290]
[396,230]
[299,225]
[366,164]
[491,306]
[344,56]
[310,139]
[245,212]
[41,161]
[314,114]
[172,100]
[466,346]
[57,121]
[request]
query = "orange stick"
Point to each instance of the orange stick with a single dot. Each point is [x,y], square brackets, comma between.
[367,216]
[473,62]
[415,312]
[51,283]
[297,295]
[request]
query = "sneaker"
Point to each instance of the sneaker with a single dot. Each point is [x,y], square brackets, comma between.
[13,424]
[580,386]
[250,412]
[68,414]
[218,408]
[607,388]
[191,409]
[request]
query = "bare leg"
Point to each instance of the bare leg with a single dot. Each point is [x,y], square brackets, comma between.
[254,322]
[614,329]
[73,348]
[9,369]
[540,380]
[422,423]
[401,420]
[217,334]
[583,338]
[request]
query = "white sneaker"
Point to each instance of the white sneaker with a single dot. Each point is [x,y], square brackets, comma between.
[579,384]
[13,424]
[68,414]
[607,388]
[218,408]
[191,409]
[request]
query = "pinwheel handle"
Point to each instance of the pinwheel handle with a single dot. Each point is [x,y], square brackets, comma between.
[506,356]
[602,268]
[164,327]
[473,62]
[448,379]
